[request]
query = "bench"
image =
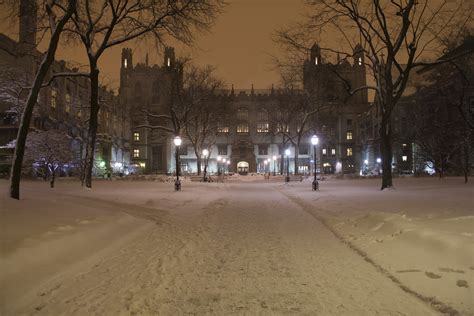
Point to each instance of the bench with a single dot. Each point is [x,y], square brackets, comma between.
[295,177]
[196,178]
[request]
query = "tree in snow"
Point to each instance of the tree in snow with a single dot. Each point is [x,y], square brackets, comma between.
[56,13]
[48,151]
[100,25]
[395,37]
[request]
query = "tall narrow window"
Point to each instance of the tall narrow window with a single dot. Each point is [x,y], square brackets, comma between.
[125,63]
[54,98]
[67,105]
[333,151]
[168,62]
[316,60]
[349,135]
[136,153]
[242,128]
[349,152]
[136,136]
[324,151]
[360,61]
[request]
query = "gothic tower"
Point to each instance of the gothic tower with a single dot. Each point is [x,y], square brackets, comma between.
[28,20]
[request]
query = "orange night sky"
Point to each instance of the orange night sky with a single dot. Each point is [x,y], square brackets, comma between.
[239,44]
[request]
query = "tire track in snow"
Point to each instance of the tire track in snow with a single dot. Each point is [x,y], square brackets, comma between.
[433,302]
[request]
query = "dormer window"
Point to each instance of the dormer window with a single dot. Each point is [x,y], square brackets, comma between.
[360,61]
[316,61]
[168,62]
[125,63]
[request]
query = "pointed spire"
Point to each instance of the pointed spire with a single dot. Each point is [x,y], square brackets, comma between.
[146,59]
[252,92]
[232,90]
[273,90]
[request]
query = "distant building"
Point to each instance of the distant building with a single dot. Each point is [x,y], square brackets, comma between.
[248,136]
[62,105]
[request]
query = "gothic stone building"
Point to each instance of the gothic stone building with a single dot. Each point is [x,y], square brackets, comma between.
[249,138]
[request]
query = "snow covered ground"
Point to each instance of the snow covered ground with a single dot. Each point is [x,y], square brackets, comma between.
[241,247]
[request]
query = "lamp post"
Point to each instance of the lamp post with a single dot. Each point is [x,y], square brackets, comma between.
[205,153]
[315,141]
[265,166]
[177,183]
[287,154]
[219,158]
[224,162]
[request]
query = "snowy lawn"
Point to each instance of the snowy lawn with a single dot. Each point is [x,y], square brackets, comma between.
[247,246]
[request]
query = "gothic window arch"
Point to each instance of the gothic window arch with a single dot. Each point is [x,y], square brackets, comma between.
[263,124]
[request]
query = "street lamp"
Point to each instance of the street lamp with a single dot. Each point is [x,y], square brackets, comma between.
[205,153]
[177,184]
[274,163]
[287,154]
[315,141]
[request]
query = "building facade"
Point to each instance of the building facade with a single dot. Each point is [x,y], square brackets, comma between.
[249,135]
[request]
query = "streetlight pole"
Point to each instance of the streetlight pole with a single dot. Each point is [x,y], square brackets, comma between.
[287,154]
[315,141]
[228,164]
[177,183]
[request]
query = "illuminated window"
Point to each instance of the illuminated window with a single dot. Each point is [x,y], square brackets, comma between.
[136,153]
[349,135]
[349,152]
[125,63]
[67,106]
[242,128]
[316,60]
[404,158]
[54,98]
[324,151]
[136,136]
[333,151]
[223,129]
[404,145]
[360,61]
[282,128]
[262,127]
[168,62]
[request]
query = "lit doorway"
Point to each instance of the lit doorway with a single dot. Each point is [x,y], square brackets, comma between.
[243,167]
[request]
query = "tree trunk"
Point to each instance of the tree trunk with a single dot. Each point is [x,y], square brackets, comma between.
[30,103]
[51,180]
[198,162]
[282,163]
[466,160]
[296,163]
[386,146]
[93,123]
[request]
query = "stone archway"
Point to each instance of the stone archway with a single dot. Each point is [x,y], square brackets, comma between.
[243,167]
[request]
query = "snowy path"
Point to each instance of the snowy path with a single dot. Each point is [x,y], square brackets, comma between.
[253,251]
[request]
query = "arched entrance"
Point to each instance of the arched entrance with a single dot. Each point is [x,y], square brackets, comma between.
[243,167]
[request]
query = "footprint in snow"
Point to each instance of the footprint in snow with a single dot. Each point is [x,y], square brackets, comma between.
[433,275]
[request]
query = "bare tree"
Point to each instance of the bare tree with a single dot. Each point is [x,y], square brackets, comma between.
[47,152]
[395,36]
[100,25]
[208,105]
[58,14]
[297,109]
